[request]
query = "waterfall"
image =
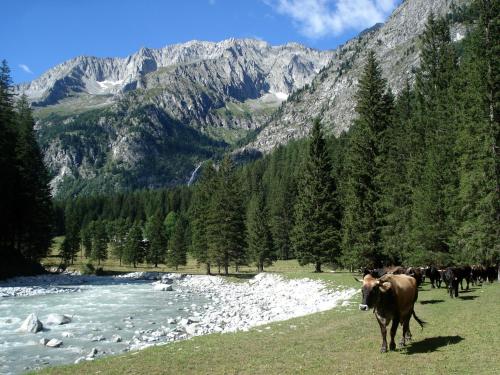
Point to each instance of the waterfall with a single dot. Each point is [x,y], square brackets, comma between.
[193,175]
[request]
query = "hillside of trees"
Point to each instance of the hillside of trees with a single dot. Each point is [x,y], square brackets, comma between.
[415,181]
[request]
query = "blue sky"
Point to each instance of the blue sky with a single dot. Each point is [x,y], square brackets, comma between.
[35,35]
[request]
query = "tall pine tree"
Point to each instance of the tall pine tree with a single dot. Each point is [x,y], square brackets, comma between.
[316,233]
[362,220]
[155,233]
[434,167]
[226,223]
[258,232]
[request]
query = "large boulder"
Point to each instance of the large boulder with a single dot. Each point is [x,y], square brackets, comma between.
[58,319]
[31,324]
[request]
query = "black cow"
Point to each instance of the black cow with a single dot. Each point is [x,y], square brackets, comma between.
[451,280]
[416,273]
[491,273]
[478,274]
[464,273]
[434,276]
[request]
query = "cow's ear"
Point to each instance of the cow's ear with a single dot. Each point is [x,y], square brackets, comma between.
[384,287]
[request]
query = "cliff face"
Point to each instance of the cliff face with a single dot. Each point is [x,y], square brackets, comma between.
[331,94]
[146,120]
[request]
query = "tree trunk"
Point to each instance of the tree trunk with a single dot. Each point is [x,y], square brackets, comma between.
[226,269]
[318,267]
[208,269]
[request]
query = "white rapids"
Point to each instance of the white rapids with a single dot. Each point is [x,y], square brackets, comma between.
[111,315]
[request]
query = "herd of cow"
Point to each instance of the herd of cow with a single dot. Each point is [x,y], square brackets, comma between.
[393,291]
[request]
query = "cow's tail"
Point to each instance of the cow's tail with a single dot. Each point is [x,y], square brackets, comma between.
[421,322]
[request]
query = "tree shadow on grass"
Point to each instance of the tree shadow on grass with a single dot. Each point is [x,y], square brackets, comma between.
[467,298]
[431,301]
[431,344]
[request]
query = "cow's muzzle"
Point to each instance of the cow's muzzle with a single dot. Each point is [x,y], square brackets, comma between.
[363,307]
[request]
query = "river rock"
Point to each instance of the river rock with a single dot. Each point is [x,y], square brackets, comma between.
[171,321]
[58,319]
[67,334]
[54,343]
[31,324]
[43,341]
[79,359]
[116,338]
[191,329]
[93,353]
[98,338]
[163,287]
[165,279]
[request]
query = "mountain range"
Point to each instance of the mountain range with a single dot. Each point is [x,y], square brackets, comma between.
[147,120]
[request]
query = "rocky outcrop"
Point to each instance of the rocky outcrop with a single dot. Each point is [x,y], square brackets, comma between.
[331,94]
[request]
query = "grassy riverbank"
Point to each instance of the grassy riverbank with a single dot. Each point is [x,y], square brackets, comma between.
[462,337]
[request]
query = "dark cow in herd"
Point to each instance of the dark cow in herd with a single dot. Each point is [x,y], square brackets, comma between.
[392,296]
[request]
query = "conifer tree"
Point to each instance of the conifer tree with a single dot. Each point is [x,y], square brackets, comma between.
[99,243]
[316,233]
[177,245]
[258,233]
[33,199]
[281,216]
[71,243]
[87,234]
[155,233]
[198,213]
[362,220]
[133,248]
[8,166]
[118,238]
[169,223]
[395,192]
[434,167]
[225,225]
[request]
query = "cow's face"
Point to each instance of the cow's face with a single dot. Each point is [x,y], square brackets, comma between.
[371,290]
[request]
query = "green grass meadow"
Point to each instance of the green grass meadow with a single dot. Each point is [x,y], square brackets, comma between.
[462,336]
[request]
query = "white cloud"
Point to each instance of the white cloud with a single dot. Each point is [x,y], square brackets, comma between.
[319,18]
[26,68]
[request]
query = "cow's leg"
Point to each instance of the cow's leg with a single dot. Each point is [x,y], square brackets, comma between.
[405,330]
[394,328]
[383,323]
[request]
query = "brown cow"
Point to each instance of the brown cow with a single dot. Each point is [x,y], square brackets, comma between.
[393,298]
